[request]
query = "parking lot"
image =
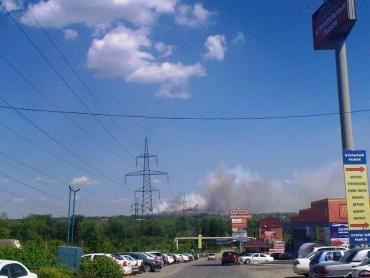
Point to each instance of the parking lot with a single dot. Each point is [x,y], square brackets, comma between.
[203,268]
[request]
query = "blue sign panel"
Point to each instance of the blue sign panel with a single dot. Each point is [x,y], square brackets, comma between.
[354,157]
[338,230]
[357,237]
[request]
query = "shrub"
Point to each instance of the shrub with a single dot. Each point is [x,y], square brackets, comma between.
[50,272]
[101,267]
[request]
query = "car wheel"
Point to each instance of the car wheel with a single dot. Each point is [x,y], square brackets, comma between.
[148,268]
[247,261]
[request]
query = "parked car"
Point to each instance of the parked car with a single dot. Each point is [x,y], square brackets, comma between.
[123,263]
[342,268]
[301,266]
[178,258]
[229,257]
[363,270]
[185,258]
[137,265]
[287,256]
[325,256]
[14,269]
[211,256]
[190,256]
[150,264]
[244,256]
[256,258]
[157,256]
[169,259]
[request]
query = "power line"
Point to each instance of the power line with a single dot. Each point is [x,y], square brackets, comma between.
[84,84]
[59,143]
[183,118]
[64,81]
[43,95]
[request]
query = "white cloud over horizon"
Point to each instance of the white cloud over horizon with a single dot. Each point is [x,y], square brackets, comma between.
[83,180]
[216,47]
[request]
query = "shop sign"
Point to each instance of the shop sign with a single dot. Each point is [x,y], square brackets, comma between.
[356,186]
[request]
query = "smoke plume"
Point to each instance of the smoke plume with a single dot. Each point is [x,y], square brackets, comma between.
[225,189]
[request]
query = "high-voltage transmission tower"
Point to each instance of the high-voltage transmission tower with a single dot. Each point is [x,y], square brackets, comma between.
[146,190]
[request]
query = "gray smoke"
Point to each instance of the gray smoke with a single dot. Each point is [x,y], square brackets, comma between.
[225,189]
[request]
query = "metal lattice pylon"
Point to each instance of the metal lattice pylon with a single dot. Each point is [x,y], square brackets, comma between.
[146,190]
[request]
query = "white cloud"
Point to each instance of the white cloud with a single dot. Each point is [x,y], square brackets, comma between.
[60,13]
[12,5]
[43,179]
[83,180]
[167,91]
[125,52]
[239,38]
[70,34]
[163,49]
[216,47]
[192,16]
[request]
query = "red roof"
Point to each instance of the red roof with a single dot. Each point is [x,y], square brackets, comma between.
[269,222]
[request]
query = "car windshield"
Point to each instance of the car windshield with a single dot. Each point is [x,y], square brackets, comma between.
[365,262]
[348,256]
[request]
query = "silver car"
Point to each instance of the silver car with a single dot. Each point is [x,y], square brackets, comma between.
[342,268]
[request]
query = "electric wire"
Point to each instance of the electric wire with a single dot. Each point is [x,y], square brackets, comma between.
[60,144]
[48,184]
[44,174]
[185,118]
[76,74]
[56,106]
[64,81]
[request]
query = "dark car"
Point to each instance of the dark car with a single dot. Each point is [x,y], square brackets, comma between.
[287,256]
[150,265]
[229,257]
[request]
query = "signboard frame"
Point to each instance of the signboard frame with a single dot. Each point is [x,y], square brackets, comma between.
[334,19]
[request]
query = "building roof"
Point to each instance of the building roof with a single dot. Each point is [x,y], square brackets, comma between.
[270,222]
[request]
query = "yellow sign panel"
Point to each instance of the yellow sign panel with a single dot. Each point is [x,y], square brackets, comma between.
[199,241]
[358,209]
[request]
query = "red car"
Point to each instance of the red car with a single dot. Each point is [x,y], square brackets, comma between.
[229,257]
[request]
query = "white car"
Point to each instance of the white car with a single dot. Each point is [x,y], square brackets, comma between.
[301,266]
[185,258]
[256,258]
[136,265]
[363,270]
[243,257]
[124,263]
[14,269]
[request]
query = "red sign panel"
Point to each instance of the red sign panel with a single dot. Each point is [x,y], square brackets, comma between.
[333,20]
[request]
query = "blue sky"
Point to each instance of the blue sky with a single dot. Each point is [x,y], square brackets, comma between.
[176,58]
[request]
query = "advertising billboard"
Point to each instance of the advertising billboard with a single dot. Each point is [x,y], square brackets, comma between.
[334,19]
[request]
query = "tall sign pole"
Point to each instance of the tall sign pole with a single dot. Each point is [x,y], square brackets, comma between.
[332,23]
[343,95]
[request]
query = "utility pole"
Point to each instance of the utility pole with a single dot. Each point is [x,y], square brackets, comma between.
[71,218]
[146,190]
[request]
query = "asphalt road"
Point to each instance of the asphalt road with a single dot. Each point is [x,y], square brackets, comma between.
[213,269]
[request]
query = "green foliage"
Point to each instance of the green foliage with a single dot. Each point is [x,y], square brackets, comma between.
[51,272]
[33,254]
[101,267]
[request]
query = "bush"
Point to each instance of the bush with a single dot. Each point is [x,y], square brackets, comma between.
[50,272]
[101,267]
